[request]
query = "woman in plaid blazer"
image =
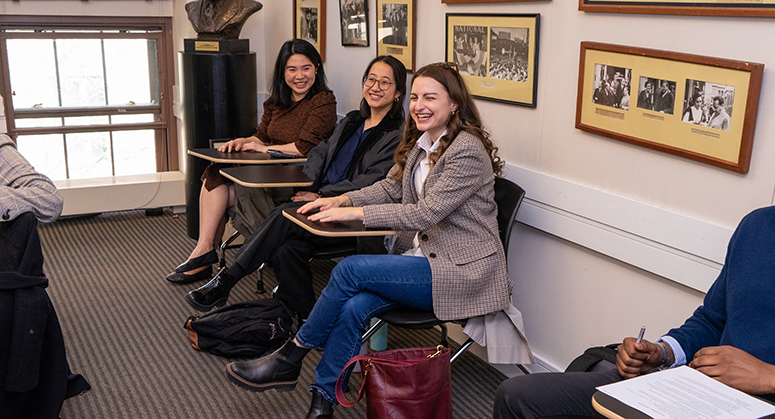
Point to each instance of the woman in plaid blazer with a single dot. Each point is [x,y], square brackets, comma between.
[447,256]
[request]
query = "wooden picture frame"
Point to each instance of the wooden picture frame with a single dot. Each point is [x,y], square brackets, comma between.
[354,22]
[397,30]
[737,8]
[697,107]
[486,1]
[309,23]
[497,55]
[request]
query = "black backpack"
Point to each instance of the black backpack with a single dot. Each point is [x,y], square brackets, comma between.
[598,358]
[242,330]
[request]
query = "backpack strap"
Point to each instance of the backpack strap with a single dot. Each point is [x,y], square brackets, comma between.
[592,356]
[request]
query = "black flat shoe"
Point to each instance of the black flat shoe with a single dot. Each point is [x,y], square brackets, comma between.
[206,259]
[320,408]
[214,293]
[181,278]
[279,370]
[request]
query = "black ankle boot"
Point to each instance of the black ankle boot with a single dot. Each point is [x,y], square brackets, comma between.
[214,293]
[279,370]
[320,407]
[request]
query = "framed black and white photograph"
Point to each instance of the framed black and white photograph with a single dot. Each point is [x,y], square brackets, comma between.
[309,23]
[497,55]
[396,30]
[612,86]
[354,18]
[740,8]
[708,104]
[692,106]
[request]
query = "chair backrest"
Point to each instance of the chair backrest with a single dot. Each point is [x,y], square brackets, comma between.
[508,196]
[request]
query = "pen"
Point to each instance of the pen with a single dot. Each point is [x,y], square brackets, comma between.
[640,334]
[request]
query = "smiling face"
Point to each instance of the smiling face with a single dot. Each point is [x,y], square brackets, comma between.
[299,75]
[430,106]
[380,100]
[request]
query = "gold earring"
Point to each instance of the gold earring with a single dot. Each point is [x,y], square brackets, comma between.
[395,100]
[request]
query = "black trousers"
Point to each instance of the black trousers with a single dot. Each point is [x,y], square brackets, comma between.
[563,395]
[288,248]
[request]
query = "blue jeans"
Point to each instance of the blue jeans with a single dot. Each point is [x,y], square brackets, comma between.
[360,288]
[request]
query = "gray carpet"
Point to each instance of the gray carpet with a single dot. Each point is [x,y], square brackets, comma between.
[123,329]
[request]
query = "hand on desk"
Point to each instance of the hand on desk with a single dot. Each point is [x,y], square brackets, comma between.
[735,368]
[633,359]
[332,209]
[243,144]
[304,196]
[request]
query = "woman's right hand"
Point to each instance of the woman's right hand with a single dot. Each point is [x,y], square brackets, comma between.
[241,144]
[324,204]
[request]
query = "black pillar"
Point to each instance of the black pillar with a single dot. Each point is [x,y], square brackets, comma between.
[220,101]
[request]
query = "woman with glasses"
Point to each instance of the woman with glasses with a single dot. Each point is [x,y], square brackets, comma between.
[359,153]
[447,256]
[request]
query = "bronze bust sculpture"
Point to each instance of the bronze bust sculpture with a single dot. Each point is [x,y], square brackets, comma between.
[220,19]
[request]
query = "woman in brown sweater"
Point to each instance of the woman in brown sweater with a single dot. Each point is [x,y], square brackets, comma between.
[299,114]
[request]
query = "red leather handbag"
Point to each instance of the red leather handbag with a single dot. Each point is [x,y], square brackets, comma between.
[403,383]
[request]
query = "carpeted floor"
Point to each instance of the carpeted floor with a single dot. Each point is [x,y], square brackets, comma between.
[123,329]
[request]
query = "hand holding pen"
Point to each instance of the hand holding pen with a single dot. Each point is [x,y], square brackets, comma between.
[636,355]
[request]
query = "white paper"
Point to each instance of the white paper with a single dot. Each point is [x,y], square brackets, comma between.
[685,393]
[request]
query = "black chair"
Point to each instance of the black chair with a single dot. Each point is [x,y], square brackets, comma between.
[508,196]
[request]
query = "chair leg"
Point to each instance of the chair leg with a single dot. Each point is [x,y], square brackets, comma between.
[464,347]
[444,340]
[260,282]
[372,330]
[225,245]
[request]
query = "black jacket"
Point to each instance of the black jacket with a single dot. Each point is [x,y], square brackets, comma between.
[372,159]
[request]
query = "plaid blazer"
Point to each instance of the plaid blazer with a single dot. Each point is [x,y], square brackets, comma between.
[456,220]
[22,189]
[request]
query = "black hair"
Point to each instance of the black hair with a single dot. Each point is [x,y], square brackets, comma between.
[399,78]
[719,99]
[281,94]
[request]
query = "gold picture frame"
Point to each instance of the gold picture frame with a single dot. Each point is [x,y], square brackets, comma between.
[497,55]
[396,30]
[697,107]
[737,8]
[309,23]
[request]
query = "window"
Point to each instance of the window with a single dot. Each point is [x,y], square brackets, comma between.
[89,97]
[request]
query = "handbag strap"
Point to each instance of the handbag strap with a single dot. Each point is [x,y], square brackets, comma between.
[342,399]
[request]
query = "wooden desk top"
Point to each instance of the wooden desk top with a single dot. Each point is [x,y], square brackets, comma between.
[614,409]
[336,229]
[267,176]
[242,157]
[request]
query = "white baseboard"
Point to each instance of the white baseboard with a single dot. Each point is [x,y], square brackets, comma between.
[155,190]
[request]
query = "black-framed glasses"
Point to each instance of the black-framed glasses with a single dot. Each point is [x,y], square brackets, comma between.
[383,84]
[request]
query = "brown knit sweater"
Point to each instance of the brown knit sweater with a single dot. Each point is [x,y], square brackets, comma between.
[306,123]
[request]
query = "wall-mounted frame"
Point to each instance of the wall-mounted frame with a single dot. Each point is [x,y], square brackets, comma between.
[309,23]
[700,108]
[740,8]
[354,20]
[485,1]
[497,55]
[396,30]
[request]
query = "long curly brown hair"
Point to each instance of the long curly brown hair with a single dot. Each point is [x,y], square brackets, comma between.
[466,118]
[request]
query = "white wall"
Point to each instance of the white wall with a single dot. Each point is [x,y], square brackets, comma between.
[612,236]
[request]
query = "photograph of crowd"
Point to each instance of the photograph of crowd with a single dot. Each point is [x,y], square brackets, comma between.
[656,95]
[612,86]
[470,50]
[708,104]
[395,17]
[308,25]
[509,49]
